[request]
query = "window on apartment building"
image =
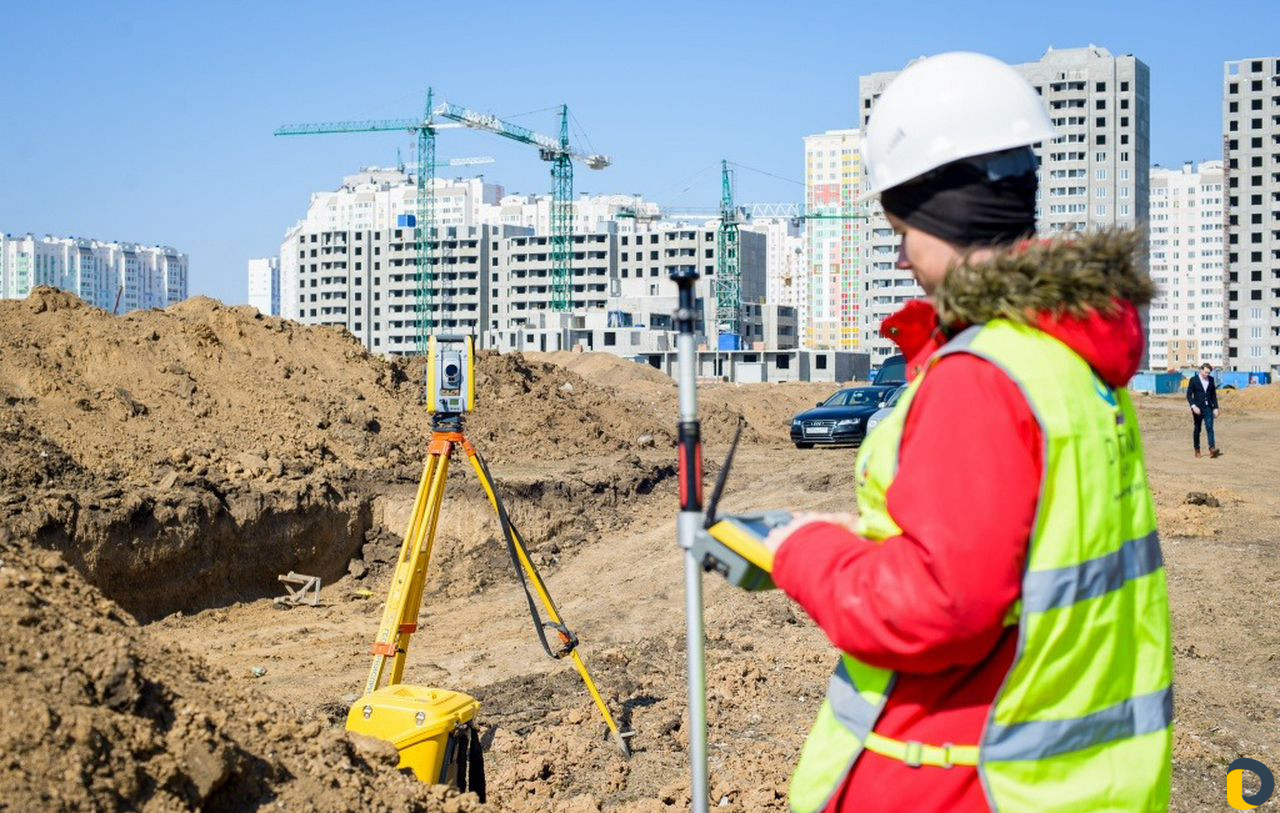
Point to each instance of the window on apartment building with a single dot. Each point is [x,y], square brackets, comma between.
[1233,126]
[1101,104]
[1124,104]
[1233,107]
[1255,124]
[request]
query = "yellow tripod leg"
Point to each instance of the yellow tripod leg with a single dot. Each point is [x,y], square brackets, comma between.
[406,565]
[545,597]
[413,598]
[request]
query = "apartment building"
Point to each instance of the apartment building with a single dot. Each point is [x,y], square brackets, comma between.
[1094,175]
[829,292]
[114,276]
[367,281]
[352,262]
[1187,325]
[1251,152]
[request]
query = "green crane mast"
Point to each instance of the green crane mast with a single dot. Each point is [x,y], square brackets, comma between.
[562,221]
[424,218]
[728,285]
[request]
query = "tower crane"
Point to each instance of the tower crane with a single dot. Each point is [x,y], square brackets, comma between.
[728,286]
[558,151]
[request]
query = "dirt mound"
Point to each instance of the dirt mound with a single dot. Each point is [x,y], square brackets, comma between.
[1258,399]
[182,458]
[100,715]
[201,386]
[608,369]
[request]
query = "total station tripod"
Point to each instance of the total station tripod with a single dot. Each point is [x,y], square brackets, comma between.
[399,708]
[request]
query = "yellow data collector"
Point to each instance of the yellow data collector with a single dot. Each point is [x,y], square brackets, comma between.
[734,547]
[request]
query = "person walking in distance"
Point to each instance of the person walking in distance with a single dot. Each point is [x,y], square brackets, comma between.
[1202,395]
[999,601]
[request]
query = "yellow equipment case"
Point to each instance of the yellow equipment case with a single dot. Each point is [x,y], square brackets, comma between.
[420,722]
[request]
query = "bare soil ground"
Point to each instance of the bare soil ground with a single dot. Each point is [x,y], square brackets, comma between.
[168,506]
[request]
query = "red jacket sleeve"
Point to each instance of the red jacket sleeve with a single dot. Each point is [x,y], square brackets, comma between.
[965,497]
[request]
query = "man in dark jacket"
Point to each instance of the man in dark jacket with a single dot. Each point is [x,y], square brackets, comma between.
[1203,397]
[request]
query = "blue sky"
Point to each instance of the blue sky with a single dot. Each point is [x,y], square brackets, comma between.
[152,121]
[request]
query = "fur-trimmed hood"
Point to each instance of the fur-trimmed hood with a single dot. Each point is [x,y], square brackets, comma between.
[1073,276]
[1083,290]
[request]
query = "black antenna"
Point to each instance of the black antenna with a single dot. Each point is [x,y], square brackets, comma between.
[724,476]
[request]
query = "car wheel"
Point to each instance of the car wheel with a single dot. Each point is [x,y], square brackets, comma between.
[804,445]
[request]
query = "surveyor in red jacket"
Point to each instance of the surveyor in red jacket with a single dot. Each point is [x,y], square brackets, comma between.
[999,601]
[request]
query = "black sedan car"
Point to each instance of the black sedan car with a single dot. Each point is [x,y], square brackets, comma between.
[839,420]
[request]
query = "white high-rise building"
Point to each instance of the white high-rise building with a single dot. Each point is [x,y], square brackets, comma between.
[116,277]
[1093,176]
[352,262]
[264,285]
[373,201]
[828,295]
[1251,149]
[1188,317]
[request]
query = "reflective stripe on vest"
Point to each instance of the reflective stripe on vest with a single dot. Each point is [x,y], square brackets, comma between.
[1083,719]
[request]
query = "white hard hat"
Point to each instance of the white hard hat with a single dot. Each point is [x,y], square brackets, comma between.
[945,108]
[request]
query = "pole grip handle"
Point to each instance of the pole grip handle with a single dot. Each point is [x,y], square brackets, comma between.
[690,474]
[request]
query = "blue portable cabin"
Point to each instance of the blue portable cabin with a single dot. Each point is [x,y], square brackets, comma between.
[1156,383]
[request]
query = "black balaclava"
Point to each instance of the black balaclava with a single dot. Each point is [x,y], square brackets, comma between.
[987,200]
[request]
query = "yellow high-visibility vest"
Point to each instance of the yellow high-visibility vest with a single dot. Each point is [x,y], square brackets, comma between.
[1083,721]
